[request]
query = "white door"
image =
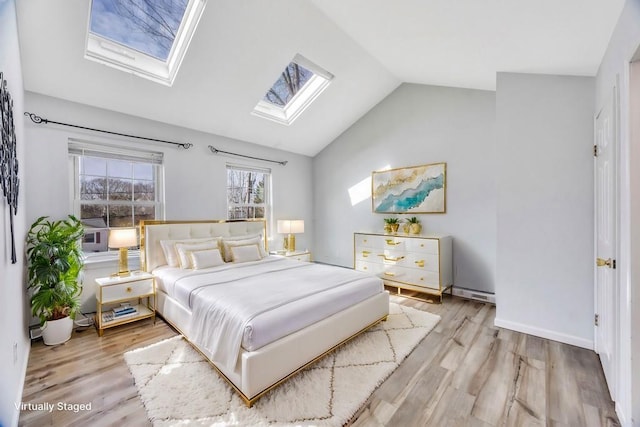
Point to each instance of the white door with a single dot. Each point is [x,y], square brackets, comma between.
[606,292]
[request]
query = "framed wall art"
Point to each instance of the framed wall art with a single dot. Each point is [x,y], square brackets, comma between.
[8,159]
[415,189]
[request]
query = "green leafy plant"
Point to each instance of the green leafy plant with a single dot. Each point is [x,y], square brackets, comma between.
[54,258]
[391,220]
[413,220]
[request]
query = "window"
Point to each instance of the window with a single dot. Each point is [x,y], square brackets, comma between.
[247,192]
[295,89]
[146,37]
[114,187]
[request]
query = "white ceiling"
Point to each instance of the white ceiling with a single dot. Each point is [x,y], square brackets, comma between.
[371,46]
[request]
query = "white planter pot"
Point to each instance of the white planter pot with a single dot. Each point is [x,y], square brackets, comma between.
[56,332]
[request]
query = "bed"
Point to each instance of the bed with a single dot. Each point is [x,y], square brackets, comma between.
[258,318]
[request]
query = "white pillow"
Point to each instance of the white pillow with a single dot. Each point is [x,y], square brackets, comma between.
[171,253]
[185,249]
[245,253]
[206,258]
[227,242]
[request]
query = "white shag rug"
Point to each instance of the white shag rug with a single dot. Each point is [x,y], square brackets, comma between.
[179,387]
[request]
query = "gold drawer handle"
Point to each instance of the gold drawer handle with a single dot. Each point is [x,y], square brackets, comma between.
[390,242]
[129,290]
[365,254]
[389,273]
[386,258]
[420,263]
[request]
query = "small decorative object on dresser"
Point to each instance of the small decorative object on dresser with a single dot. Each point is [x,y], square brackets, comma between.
[414,225]
[422,264]
[391,225]
[117,293]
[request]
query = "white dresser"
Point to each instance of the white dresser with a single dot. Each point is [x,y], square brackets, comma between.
[415,263]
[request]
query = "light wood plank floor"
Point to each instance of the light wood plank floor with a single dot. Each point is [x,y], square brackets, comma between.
[465,372]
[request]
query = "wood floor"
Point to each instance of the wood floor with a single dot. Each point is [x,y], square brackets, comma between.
[465,372]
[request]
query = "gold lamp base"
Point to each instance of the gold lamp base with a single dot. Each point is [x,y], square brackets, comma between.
[123,263]
[290,243]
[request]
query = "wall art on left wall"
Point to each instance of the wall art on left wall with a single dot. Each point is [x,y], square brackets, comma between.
[9,180]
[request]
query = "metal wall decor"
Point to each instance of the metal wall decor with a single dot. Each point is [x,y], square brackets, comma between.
[8,160]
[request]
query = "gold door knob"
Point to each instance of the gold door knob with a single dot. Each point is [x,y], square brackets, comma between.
[601,262]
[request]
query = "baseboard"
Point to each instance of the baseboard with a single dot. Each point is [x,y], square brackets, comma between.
[545,333]
[474,295]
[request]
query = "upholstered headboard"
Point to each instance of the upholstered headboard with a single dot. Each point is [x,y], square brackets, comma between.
[151,232]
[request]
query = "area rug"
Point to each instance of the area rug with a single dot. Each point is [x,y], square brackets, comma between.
[178,386]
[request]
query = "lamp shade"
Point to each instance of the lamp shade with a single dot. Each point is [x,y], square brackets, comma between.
[284,226]
[290,226]
[123,238]
[297,226]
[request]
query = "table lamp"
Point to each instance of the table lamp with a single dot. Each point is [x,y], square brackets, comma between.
[123,239]
[290,227]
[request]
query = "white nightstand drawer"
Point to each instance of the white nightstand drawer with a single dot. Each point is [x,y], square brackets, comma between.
[126,290]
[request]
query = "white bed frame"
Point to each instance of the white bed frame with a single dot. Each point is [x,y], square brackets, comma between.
[258,371]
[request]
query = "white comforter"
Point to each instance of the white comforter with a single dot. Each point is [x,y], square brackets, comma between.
[228,302]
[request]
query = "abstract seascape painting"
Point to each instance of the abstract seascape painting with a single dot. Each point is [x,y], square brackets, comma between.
[416,189]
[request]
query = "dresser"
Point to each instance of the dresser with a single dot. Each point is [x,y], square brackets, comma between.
[419,264]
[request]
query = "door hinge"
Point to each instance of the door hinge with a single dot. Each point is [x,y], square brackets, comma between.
[613,264]
[596,319]
[595,151]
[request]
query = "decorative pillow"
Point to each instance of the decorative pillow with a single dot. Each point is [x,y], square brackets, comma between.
[206,258]
[227,242]
[185,249]
[171,253]
[245,253]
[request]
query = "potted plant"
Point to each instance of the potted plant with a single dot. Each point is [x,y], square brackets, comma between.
[414,225]
[54,261]
[391,225]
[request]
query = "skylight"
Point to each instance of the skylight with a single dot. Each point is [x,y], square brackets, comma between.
[295,89]
[146,37]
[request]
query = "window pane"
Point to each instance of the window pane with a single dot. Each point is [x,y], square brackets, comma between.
[93,188]
[93,166]
[93,215]
[143,213]
[120,169]
[144,191]
[292,79]
[120,216]
[143,171]
[147,26]
[120,189]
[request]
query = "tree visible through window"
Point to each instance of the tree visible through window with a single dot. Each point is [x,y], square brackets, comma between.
[247,192]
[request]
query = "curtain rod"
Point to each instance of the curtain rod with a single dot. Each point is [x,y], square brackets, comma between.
[39,120]
[216,151]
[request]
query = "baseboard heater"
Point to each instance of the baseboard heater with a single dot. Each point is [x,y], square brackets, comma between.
[474,295]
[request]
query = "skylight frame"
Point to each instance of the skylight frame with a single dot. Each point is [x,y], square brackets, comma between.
[127,59]
[301,100]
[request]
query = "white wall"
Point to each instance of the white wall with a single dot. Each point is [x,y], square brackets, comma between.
[14,314]
[544,275]
[614,71]
[195,179]
[416,125]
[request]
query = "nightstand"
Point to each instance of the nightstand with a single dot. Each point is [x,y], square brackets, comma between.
[112,292]
[297,255]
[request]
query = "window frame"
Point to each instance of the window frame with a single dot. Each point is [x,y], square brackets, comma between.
[267,191]
[301,100]
[125,58]
[78,149]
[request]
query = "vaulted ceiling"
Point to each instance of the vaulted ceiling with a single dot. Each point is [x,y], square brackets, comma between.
[370,46]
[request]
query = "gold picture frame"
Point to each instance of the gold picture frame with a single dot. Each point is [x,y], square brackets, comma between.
[410,190]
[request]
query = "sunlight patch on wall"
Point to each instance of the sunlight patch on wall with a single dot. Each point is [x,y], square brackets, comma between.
[362,190]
